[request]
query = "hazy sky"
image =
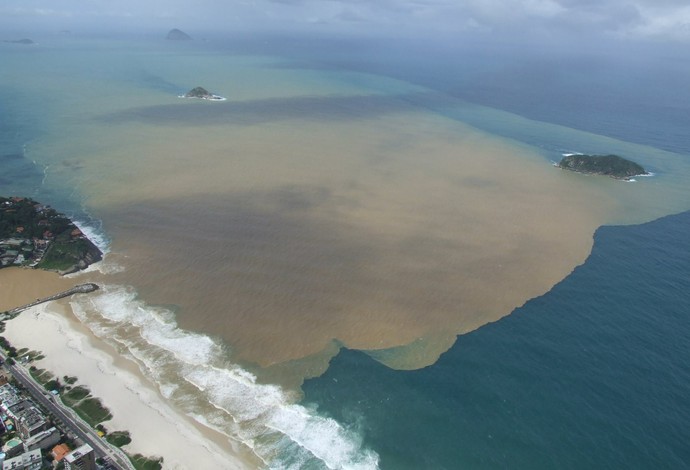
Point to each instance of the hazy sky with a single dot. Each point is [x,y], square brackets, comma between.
[666,19]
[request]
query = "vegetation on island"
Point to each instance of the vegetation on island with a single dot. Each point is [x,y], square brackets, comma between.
[608,165]
[36,235]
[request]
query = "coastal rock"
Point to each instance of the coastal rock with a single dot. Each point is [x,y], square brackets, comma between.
[608,165]
[177,35]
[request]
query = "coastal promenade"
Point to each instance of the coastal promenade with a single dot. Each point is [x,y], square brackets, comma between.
[68,419]
[79,289]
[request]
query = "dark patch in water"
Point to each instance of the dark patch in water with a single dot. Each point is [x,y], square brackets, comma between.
[159,83]
[244,113]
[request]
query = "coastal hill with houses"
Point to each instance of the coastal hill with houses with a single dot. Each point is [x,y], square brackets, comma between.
[35,235]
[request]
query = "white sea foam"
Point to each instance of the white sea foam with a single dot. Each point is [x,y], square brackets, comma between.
[94,233]
[263,417]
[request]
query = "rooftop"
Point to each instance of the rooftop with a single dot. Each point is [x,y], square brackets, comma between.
[59,451]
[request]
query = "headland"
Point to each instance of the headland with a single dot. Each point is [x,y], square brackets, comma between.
[37,236]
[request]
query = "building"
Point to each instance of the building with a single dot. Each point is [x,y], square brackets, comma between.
[59,451]
[81,458]
[31,460]
[43,440]
[13,448]
[30,421]
[8,397]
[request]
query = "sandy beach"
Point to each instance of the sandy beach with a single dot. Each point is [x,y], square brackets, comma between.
[70,349]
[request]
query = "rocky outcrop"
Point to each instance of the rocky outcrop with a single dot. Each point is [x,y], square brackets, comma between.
[203,94]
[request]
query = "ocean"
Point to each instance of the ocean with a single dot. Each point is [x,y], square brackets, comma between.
[292,267]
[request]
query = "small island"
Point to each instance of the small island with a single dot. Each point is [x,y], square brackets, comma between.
[37,236]
[26,41]
[177,35]
[608,165]
[202,94]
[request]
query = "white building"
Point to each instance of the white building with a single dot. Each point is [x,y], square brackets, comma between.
[31,460]
[81,458]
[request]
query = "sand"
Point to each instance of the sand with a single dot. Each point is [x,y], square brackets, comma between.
[70,349]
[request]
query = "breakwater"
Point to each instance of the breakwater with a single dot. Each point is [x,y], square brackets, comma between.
[78,289]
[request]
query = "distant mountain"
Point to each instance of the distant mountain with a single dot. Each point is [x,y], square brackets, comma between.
[177,35]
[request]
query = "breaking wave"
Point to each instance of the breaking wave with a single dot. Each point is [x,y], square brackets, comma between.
[195,373]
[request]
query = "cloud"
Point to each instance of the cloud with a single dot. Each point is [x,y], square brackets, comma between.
[627,18]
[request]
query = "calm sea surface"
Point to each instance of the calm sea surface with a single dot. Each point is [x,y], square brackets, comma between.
[356,196]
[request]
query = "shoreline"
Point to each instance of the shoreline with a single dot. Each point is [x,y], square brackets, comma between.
[135,403]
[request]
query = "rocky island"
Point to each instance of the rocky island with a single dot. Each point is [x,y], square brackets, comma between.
[37,236]
[177,35]
[203,94]
[26,41]
[608,165]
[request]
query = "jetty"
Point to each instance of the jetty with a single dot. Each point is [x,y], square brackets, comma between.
[79,289]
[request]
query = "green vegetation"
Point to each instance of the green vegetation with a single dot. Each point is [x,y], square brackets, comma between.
[33,218]
[11,350]
[118,438]
[53,384]
[609,165]
[89,408]
[146,463]
[8,436]
[41,376]
[69,380]
[75,395]
[37,235]
[31,355]
[61,255]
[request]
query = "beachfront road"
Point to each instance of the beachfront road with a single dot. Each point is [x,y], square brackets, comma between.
[69,420]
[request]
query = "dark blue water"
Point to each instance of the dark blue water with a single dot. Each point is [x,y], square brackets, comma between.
[594,374]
